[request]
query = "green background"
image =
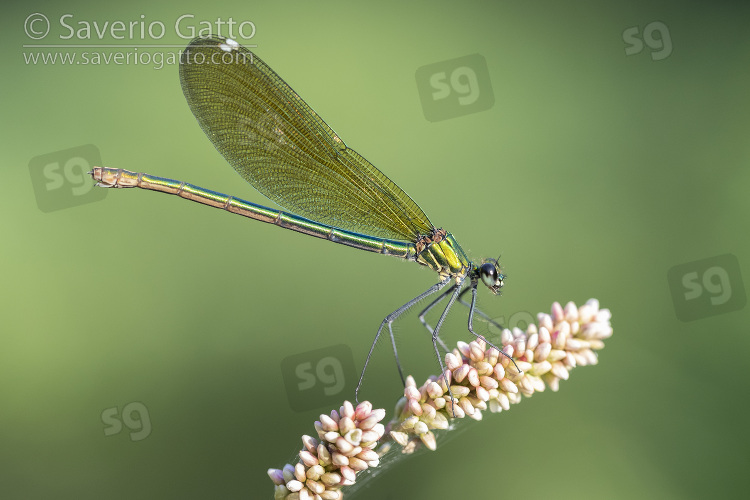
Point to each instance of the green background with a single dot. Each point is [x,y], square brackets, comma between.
[593,174]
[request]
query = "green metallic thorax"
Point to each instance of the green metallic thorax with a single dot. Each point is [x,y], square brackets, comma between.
[444,255]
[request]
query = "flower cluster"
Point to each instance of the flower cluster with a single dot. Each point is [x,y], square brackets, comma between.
[346,446]
[477,378]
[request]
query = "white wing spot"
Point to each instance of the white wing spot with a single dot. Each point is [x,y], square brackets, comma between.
[229,46]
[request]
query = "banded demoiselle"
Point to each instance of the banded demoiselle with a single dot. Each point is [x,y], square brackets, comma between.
[278,144]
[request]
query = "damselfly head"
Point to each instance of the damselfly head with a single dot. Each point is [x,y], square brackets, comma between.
[490,274]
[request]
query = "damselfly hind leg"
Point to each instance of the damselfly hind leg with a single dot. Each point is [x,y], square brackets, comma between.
[388,320]
[429,308]
[436,334]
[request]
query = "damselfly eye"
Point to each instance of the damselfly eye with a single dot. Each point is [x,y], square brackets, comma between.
[488,273]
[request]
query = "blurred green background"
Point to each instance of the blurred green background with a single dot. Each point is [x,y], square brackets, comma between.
[594,174]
